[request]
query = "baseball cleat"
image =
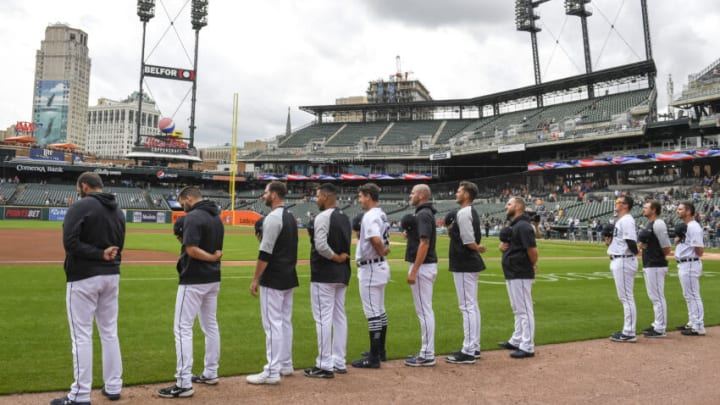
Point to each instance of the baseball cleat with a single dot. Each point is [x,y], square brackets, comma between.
[476,354]
[508,346]
[286,371]
[366,362]
[693,332]
[109,396]
[176,392]
[684,327]
[66,401]
[650,329]
[201,379]
[652,333]
[262,378]
[460,358]
[417,361]
[620,337]
[338,370]
[316,372]
[521,354]
[383,355]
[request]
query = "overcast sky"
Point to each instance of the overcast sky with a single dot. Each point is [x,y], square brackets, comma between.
[287,53]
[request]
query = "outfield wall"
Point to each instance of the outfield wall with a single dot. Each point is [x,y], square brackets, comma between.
[58,214]
[240,217]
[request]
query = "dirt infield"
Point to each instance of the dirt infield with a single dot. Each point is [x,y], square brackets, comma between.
[676,369]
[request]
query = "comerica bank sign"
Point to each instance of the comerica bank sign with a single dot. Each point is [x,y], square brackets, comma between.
[39,169]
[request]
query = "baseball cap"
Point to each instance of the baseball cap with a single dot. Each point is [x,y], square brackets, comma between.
[178,226]
[356,221]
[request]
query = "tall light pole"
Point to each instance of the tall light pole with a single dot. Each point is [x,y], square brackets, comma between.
[146,11]
[525,17]
[199,20]
[580,9]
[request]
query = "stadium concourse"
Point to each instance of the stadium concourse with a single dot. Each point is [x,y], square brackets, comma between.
[574,211]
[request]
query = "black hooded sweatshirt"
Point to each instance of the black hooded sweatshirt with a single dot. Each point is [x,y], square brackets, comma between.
[202,228]
[91,225]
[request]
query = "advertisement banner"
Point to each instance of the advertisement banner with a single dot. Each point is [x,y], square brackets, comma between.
[22,213]
[57,214]
[50,111]
[47,154]
[148,217]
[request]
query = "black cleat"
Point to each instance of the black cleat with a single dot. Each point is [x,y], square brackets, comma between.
[109,396]
[521,354]
[508,346]
[316,372]
[366,362]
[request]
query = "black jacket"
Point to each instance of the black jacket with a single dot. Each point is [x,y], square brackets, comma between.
[280,273]
[202,228]
[338,238]
[91,225]
[425,225]
[515,261]
[462,259]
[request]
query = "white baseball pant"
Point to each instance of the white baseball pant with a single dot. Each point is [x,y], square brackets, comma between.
[422,292]
[466,287]
[372,279]
[655,286]
[689,274]
[328,307]
[88,299]
[623,271]
[196,300]
[520,293]
[276,309]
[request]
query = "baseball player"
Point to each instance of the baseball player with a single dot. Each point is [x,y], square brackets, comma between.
[623,250]
[93,237]
[519,263]
[655,245]
[373,272]
[688,251]
[199,270]
[421,255]
[465,265]
[330,238]
[275,272]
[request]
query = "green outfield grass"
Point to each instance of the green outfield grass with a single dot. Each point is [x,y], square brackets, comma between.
[574,298]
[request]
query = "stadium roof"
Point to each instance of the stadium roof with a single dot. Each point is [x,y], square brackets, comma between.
[642,68]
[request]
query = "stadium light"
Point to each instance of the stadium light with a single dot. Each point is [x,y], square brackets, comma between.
[577,7]
[199,14]
[146,10]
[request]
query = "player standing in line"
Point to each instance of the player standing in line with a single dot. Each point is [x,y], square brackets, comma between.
[688,252]
[93,237]
[330,239]
[655,245]
[519,263]
[623,250]
[465,265]
[373,272]
[199,272]
[421,255]
[275,272]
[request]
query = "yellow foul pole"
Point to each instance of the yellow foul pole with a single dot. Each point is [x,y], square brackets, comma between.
[233,156]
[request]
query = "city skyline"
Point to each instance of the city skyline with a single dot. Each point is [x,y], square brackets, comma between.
[283,53]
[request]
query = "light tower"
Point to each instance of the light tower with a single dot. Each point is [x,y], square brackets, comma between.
[199,20]
[146,11]
[525,17]
[580,9]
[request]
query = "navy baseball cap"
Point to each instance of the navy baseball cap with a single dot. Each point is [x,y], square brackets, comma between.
[356,221]
[450,217]
[178,226]
[505,234]
[407,222]
[258,226]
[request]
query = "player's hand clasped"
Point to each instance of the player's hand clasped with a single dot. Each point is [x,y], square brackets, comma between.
[110,253]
